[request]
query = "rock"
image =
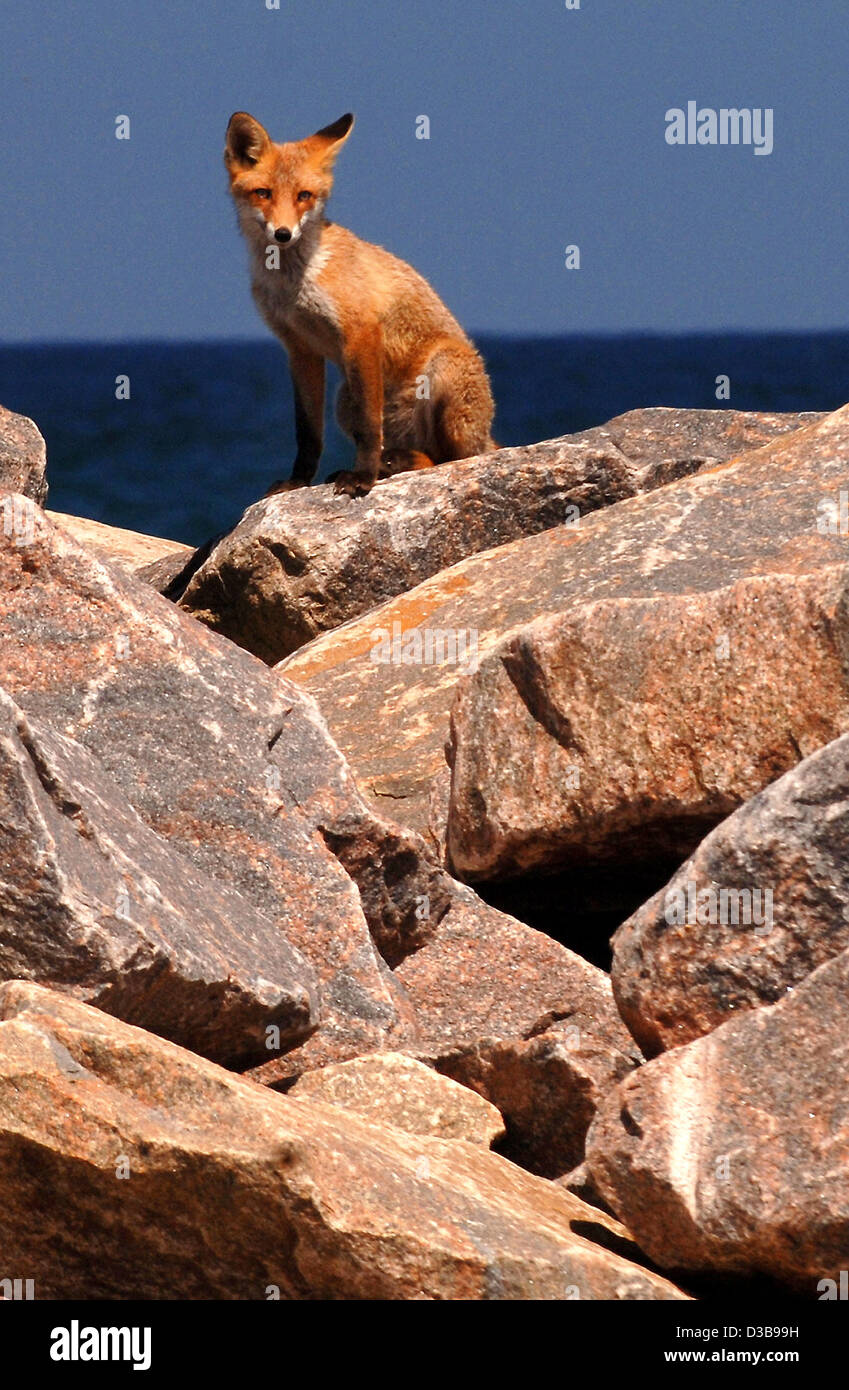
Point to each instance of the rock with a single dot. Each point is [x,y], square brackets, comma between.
[160,574]
[550,1085]
[695,661]
[513,1015]
[756,515]
[523,1021]
[762,902]
[662,445]
[622,731]
[731,1153]
[303,563]
[23,459]
[230,765]
[391,1089]
[130,1168]
[95,903]
[233,767]
[129,550]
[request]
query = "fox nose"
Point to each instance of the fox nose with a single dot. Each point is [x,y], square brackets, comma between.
[282,234]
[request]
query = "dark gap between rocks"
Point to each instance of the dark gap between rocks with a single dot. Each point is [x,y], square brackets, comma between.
[580,908]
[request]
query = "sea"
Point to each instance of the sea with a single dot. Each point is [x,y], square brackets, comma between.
[208,426]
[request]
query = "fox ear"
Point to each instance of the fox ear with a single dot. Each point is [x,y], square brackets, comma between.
[246,140]
[330,139]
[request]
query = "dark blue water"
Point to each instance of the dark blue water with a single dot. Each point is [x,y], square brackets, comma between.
[209,426]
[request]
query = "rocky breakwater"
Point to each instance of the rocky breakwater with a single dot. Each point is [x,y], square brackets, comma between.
[215,875]
[185,849]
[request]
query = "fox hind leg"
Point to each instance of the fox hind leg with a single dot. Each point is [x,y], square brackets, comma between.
[462,404]
[453,421]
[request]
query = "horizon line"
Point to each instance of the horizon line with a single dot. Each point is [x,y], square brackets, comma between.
[606,334]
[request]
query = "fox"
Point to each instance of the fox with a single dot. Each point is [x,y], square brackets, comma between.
[415,392]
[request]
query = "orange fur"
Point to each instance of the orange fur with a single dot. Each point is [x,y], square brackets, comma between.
[415,390]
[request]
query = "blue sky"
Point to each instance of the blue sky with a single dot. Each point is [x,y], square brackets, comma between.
[547,129]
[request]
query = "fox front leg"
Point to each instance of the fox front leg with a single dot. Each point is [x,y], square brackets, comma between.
[360,412]
[307,369]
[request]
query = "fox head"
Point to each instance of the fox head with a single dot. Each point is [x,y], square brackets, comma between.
[280,189]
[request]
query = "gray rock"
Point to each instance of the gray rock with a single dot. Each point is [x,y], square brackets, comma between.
[96,904]
[762,902]
[694,649]
[730,1154]
[228,764]
[23,457]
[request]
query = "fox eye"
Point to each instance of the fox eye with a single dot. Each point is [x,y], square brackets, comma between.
[262,192]
[304,196]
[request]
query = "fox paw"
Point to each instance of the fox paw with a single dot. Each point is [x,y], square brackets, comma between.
[284,485]
[350,483]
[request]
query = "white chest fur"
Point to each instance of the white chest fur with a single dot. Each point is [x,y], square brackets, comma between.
[288,294]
